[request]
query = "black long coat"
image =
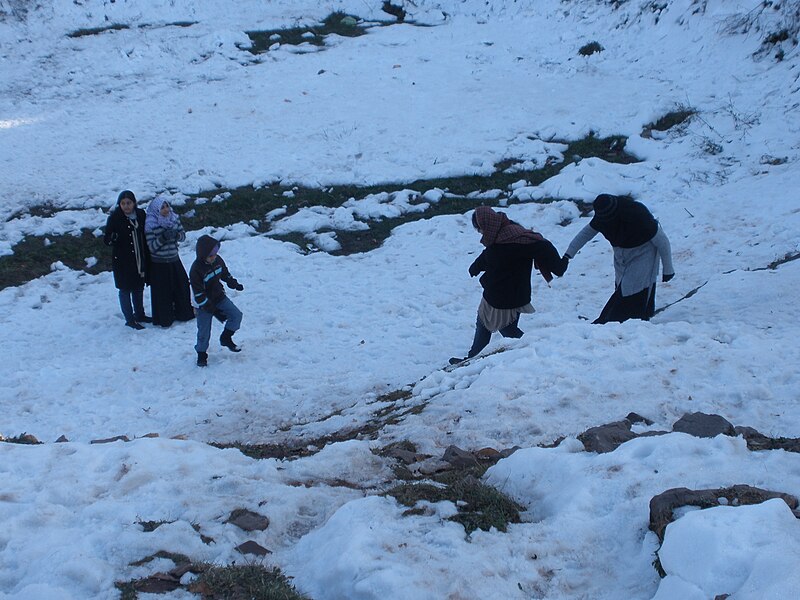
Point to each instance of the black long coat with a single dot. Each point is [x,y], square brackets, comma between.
[120,234]
[507,278]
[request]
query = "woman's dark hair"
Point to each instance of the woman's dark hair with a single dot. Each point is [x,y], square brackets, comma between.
[475,220]
[126,194]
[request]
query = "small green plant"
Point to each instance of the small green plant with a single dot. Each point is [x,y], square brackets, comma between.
[590,48]
[148,526]
[213,582]
[672,119]
[480,506]
[244,582]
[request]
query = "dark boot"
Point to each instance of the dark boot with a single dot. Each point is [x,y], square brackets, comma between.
[202,359]
[226,339]
[134,325]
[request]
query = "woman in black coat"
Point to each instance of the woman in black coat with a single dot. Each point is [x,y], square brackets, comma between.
[507,262]
[639,245]
[130,258]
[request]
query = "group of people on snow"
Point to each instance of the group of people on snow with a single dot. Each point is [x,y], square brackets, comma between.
[145,251]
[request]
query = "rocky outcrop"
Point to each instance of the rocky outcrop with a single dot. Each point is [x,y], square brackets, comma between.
[662,507]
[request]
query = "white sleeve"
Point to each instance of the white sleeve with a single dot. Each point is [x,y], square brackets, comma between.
[580,240]
[664,248]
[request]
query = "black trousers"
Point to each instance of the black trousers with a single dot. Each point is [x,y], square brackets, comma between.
[619,308]
[169,293]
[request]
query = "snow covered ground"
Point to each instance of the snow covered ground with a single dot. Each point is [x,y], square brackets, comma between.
[160,107]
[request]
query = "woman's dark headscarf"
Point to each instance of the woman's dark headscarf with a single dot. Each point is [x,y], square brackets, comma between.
[624,222]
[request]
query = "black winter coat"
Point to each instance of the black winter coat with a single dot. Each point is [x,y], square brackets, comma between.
[507,278]
[206,279]
[131,268]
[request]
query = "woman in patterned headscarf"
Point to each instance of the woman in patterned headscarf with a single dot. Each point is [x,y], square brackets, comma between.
[638,242]
[506,263]
[169,284]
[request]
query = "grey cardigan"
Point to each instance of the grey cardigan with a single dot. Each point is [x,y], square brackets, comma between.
[634,268]
[162,250]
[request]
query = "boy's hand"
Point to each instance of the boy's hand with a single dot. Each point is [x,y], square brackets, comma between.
[236,286]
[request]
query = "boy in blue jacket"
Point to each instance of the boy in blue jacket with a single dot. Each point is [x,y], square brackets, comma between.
[206,276]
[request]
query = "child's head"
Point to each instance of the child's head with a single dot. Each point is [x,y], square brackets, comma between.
[207,248]
[211,256]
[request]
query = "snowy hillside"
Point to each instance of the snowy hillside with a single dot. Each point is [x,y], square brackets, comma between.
[340,400]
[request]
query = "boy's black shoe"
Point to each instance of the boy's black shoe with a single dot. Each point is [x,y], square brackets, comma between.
[134,325]
[144,319]
[226,339]
[202,359]
[455,360]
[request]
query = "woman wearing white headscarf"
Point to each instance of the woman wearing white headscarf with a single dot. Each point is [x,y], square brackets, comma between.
[169,284]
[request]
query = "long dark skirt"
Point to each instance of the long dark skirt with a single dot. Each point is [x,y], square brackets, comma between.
[169,293]
[619,308]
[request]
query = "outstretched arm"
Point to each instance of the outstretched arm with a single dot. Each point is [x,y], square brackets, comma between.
[547,261]
[664,248]
[580,240]
[229,279]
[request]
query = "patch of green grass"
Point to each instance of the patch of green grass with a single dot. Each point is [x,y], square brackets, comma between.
[262,451]
[590,48]
[181,24]
[338,23]
[669,120]
[121,26]
[610,149]
[33,256]
[244,582]
[480,506]
[97,30]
